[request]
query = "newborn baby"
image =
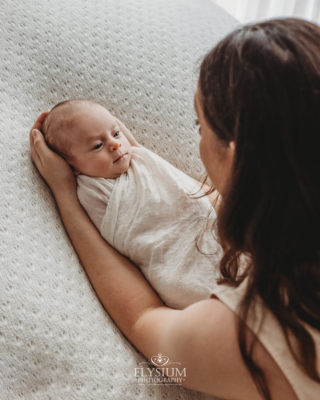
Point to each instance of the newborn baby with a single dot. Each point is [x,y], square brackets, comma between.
[139,202]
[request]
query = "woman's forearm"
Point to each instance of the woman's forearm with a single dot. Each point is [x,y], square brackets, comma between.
[120,286]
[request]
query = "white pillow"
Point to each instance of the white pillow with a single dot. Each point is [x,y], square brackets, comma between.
[140,59]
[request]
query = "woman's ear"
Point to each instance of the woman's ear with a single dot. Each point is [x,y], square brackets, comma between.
[232,145]
[231,152]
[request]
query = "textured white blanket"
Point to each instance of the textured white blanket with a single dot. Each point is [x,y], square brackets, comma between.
[138,58]
[151,216]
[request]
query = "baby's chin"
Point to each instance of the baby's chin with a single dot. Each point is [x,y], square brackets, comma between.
[121,170]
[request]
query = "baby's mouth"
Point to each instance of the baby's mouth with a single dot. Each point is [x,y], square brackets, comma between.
[119,158]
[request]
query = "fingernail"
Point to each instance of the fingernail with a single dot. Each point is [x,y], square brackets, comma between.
[34,132]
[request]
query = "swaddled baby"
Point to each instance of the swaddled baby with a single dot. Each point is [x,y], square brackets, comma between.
[139,202]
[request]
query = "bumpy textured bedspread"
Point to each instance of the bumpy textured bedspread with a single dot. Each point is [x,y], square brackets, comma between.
[140,59]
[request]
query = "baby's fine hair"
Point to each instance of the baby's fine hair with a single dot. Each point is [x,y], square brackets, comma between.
[48,135]
[44,127]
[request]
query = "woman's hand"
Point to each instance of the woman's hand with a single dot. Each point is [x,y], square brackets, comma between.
[53,168]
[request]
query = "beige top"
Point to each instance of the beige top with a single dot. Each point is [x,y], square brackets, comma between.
[271,336]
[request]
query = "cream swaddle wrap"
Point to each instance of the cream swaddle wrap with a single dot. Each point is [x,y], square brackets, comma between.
[150,217]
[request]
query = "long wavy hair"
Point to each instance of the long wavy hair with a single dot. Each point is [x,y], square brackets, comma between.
[260,87]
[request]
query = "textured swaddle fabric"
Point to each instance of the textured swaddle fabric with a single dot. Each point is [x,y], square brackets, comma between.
[139,58]
[152,216]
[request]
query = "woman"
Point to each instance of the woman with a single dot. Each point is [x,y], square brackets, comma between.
[258,102]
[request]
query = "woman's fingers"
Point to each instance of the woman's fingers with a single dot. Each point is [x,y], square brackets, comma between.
[53,168]
[39,144]
[37,149]
[39,120]
[42,154]
[35,156]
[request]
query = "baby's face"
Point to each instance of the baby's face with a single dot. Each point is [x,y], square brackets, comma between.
[96,145]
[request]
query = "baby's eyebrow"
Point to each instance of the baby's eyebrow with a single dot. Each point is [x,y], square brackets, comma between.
[98,136]
[93,138]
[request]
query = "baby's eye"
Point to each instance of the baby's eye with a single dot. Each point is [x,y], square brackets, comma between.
[116,134]
[97,146]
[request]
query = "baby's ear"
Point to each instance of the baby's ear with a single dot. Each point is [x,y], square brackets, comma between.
[75,171]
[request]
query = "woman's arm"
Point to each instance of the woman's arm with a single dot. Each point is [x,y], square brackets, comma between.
[119,285]
[202,337]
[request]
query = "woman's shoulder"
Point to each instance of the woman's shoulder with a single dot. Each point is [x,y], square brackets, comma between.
[210,351]
[267,328]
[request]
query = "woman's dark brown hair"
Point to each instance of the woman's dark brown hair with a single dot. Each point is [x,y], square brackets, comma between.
[260,87]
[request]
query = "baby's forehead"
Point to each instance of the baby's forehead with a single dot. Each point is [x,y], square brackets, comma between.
[73,110]
[70,115]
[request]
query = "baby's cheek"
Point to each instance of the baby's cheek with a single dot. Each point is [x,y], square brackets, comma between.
[107,164]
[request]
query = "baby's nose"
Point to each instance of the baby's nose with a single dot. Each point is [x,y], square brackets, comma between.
[113,145]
